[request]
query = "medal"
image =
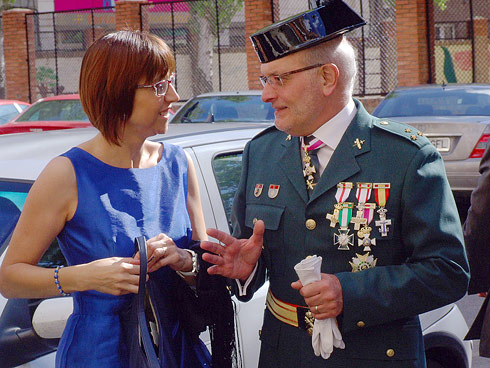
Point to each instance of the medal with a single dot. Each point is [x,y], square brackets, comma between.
[364,240]
[343,191]
[363,193]
[309,170]
[334,218]
[343,238]
[363,262]
[273,191]
[383,222]
[345,215]
[381,194]
[258,190]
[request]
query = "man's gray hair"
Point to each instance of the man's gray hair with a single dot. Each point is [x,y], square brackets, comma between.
[338,51]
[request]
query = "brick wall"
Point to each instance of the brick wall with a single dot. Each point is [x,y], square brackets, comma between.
[16,54]
[480,31]
[411,38]
[128,14]
[258,14]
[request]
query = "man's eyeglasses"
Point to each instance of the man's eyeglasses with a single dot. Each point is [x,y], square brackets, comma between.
[161,87]
[277,80]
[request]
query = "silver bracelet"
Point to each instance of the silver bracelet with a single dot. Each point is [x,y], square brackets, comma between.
[195,266]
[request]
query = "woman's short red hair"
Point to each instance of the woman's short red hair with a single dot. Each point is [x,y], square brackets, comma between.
[111,69]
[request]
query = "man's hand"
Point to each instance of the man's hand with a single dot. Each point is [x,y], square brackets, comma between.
[323,297]
[237,258]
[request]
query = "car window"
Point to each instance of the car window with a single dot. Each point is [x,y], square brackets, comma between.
[12,198]
[242,108]
[437,102]
[227,170]
[58,110]
[7,113]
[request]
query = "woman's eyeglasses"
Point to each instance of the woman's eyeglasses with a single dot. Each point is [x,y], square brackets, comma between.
[161,87]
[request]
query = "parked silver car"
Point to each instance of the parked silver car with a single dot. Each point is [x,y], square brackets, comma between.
[30,329]
[456,119]
[219,107]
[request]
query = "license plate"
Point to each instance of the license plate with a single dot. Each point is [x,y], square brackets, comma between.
[443,144]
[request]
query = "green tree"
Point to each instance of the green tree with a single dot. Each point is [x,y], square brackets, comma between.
[203,27]
[6,4]
[46,80]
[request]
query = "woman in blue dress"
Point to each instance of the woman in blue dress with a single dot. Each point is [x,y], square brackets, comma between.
[97,197]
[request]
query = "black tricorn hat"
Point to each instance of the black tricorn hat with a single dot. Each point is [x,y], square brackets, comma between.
[331,19]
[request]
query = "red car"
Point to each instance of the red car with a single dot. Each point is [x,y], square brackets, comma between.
[50,113]
[9,109]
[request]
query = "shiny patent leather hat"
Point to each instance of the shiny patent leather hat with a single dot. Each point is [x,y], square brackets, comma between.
[329,19]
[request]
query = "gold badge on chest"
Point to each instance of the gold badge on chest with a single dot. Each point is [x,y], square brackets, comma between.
[363,262]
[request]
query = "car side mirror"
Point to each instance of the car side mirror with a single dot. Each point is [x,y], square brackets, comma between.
[49,319]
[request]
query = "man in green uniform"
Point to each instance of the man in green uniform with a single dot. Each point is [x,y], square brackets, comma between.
[369,196]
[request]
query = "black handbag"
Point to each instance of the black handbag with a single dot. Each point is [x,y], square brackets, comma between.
[207,305]
[142,347]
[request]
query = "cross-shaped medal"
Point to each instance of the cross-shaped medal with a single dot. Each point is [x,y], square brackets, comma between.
[334,218]
[343,239]
[364,239]
[383,222]
[359,220]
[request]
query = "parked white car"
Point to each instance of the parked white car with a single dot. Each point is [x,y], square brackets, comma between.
[30,329]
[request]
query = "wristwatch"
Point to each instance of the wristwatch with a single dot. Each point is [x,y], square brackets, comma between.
[195,266]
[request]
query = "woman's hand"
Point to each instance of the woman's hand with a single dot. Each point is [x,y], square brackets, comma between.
[116,275]
[162,251]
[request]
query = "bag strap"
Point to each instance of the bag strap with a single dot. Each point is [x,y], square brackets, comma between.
[147,344]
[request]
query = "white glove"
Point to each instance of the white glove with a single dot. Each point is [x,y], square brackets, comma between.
[326,333]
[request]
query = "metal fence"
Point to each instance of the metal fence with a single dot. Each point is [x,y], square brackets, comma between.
[208,38]
[60,40]
[458,41]
[375,43]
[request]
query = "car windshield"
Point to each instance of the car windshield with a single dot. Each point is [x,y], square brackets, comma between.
[240,108]
[435,102]
[55,110]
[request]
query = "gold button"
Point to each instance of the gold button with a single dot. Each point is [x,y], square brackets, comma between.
[310,224]
[260,333]
[390,353]
[254,220]
[384,122]
[361,324]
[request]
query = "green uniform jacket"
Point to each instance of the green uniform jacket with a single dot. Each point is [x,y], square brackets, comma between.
[420,265]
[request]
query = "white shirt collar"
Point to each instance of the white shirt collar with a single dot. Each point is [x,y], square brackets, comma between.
[332,131]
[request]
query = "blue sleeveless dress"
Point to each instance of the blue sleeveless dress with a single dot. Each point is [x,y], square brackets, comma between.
[115,205]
